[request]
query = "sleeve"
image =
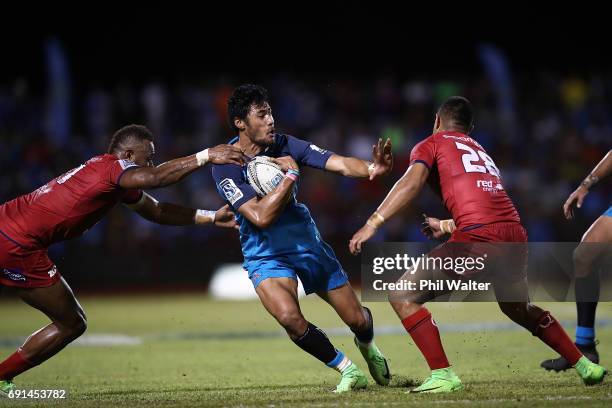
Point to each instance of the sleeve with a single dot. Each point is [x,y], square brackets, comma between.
[424,152]
[118,168]
[231,184]
[307,153]
[132,196]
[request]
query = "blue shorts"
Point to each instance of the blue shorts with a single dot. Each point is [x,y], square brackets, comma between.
[608,213]
[317,268]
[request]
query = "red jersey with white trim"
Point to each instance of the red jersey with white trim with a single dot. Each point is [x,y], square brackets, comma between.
[69,205]
[467,179]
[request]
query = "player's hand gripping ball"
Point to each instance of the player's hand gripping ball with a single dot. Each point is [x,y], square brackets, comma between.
[264,175]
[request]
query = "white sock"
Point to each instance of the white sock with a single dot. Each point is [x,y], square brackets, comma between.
[343,365]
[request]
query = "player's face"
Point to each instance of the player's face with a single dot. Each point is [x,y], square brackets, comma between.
[259,125]
[142,154]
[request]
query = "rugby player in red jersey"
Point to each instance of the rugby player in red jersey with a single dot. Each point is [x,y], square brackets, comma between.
[470,186]
[68,206]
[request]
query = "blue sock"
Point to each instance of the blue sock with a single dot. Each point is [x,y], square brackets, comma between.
[585,336]
[340,362]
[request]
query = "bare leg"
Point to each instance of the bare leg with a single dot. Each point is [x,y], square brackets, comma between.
[67,323]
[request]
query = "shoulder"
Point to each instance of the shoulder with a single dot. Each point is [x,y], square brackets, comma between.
[429,140]
[110,160]
[226,170]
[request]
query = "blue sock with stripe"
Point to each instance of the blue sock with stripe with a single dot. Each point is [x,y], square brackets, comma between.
[585,336]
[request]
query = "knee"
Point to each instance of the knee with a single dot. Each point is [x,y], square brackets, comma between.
[75,327]
[515,311]
[357,321]
[582,262]
[292,321]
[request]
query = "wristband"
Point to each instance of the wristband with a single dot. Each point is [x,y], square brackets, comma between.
[371,169]
[446,226]
[204,217]
[375,220]
[202,157]
[293,174]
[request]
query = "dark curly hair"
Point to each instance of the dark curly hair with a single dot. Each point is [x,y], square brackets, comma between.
[243,97]
[127,135]
[458,112]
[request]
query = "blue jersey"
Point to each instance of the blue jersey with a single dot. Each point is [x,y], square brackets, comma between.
[294,231]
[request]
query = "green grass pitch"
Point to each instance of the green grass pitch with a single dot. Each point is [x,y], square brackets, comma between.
[192,351]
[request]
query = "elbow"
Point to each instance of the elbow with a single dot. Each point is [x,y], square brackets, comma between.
[261,221]
[264,223]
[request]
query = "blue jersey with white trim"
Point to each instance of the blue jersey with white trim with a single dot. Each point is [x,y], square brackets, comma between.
[294,230]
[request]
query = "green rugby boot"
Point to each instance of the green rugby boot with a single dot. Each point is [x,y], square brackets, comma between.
[5,387]
[377,363]
[590,373]
[441,380]
[352,379]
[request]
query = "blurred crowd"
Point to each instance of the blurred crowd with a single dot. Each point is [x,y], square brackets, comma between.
[545,136]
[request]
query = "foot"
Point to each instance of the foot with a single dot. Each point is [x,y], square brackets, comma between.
[590,372]
[352,379]
[561,364]
[441,380]
[377,363]
[5,387]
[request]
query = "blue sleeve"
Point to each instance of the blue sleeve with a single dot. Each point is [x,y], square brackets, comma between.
[307,153]
[231,184]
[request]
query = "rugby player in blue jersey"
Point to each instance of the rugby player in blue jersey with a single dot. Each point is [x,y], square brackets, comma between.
[280,240]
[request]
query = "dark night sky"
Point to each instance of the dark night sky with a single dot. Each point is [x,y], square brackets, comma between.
[135,45]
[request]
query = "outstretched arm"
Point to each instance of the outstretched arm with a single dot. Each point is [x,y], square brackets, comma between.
[603,169]
[172,214]
[175,170]
[405,190]
[381,164]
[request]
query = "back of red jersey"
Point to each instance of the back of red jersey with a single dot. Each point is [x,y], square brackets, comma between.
[467,178]
[69,205]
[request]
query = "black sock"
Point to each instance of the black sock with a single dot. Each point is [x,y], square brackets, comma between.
[587,296]
[316,343]
[367,335]
[586,313]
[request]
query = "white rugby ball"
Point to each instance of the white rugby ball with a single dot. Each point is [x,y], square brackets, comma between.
[264,175]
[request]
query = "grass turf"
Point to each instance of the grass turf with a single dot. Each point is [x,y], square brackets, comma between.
[199,352]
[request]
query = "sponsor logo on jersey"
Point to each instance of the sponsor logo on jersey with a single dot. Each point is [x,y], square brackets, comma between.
[230,190]
[317,149]
[126,163]
[489,186]
[53,271]
[14,275]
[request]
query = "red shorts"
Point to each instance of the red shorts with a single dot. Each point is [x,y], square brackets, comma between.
[504,245]
[25,268]
[500,232]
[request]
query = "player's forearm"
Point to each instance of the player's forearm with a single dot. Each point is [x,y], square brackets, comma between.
[603,169]
[348,166]
[175,170]
[271,206]
[401,195]
[173,214]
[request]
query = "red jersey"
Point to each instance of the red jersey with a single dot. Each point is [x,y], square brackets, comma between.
[467,179]
[69,205]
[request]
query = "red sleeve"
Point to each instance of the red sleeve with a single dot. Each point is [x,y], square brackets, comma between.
[118,167]
[131,196]
[424,152]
